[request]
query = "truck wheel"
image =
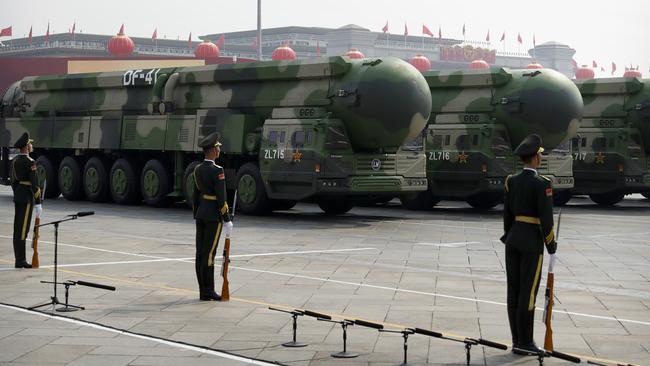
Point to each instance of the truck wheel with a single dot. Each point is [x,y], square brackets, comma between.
[419,201]
[155,184]
[96,184]
[335,206]
[561,198]
[251,194]
[646,195]
[188,183]
[484,200]
[607,199]
[123,182]
[45,171]
[281,205]
[70,179]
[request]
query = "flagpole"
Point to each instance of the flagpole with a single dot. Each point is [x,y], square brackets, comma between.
[259,30]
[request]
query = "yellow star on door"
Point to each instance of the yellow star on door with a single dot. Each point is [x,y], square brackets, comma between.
[600,158]
[462,157]
[297,156]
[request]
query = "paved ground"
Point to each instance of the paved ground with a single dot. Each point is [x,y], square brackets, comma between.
[441,270]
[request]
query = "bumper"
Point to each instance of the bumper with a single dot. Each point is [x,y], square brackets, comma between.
[370,185]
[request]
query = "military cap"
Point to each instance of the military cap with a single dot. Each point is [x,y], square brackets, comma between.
[23,141]
[210,140]
[530,146]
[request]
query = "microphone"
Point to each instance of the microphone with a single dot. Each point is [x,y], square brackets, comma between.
[84,213]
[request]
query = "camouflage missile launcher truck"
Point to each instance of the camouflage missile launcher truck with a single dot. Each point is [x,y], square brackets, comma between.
[612,148]
[326,130]
[479,117]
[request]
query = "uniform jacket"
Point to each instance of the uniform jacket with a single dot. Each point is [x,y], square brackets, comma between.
[528,197]
[209,200]
[24,181]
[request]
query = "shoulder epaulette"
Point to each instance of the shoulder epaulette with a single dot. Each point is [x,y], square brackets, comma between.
[546,178]
[506,182]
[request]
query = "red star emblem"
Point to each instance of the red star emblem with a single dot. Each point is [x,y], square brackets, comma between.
[462,157]
[600,158]
[297,156]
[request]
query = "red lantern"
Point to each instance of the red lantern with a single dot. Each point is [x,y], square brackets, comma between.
[585,72]
[283,52]
[120,45]
[534,65]
[421,63]
[354,53]
[479,64]
[632,73]
[206,49]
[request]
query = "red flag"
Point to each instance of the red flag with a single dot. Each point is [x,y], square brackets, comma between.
[602,69]
[317,49]
[30,36]
[47,34]
[121,30]
[406,30]
[439,32]
[503,36]
[463,29]
[594,64]
[487,38]
[189,41]
[154,36]
[5,32]
[221,41]
[425,30]
[254,44]
[613,68]
[519,39]
[385,28]
[574,63]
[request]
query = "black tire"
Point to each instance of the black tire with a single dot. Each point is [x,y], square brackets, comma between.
[155,184]
[484,200]
[281,205]
[561,198]
[420,201]
[45,170]
[96,182]
[607,199]
[70,179]
[646,195]
[188,183]
[124,182]
[251,193]
[335,206]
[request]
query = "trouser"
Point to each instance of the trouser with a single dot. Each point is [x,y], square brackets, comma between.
[22,222]
[207,240]
[523,270]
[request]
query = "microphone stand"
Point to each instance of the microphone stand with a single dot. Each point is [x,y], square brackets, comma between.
[54,300]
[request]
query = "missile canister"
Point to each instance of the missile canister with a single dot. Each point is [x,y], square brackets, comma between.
[543,101]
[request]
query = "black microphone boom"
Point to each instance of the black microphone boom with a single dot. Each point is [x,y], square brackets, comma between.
[96,285]
[85,213]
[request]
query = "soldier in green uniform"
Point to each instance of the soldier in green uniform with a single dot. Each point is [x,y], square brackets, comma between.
[528,226]
[211,213]
[27,196]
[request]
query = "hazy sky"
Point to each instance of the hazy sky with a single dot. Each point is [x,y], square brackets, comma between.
[603,31]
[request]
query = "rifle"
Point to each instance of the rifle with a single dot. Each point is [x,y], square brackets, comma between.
[548,306]
[225,290]
[37,222]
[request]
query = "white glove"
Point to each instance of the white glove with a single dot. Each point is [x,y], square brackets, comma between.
[227,228]
[551,262]
[38,209]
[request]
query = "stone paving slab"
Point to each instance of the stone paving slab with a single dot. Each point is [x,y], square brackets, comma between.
[442,269]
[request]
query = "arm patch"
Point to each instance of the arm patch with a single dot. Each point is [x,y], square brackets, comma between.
[549,192]
[222,176]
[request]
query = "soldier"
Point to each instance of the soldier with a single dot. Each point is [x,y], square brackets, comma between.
[211,213]
[528,225]
[24,183]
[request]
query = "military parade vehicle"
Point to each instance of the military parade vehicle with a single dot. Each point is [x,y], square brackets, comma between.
[326,130]
[611,150]
[479,117]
